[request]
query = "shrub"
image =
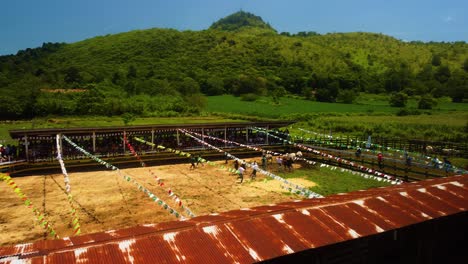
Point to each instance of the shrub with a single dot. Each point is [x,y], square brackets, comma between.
[426,102]
[347,96]
[406,112]
[249,97]
[398,99]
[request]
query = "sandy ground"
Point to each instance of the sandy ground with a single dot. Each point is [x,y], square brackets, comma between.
[105,201]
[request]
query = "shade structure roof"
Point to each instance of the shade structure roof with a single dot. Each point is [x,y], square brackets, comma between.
[260,233]
[19,133]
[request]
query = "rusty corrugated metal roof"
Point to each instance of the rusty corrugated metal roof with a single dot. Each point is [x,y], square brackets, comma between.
[260,233]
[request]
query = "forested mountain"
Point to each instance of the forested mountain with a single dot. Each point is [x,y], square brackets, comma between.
[165,71]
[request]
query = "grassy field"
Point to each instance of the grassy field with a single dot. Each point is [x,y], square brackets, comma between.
[365,104]
[437,127]
[333,181]
[371,114]
[266,108]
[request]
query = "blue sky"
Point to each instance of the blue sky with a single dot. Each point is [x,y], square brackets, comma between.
[29,23]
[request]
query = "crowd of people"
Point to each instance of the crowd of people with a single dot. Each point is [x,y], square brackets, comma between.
[8,153]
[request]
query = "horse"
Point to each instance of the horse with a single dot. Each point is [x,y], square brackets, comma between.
[269,158]
[294,156]
[450,152]
[288,161]
[429,149]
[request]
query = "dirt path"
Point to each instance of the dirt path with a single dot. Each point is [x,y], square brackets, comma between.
[105,201]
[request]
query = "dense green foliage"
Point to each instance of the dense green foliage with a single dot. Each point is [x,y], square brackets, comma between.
[164,72]
[240,20]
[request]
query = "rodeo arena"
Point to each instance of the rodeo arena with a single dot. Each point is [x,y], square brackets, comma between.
[223,193]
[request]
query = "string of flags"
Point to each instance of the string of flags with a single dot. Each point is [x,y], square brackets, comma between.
[39,216]
[414,155]
[297,189]
[186,154]
[367,176]
[384,177]
[127,178]
[74,215]
[161,184]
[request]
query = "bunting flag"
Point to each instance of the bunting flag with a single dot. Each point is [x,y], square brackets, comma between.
[301,190]
[127,178]
[297,158]
[380,176]
[169,191]
[39,216]
[74,215]
[186,154]
[426,160]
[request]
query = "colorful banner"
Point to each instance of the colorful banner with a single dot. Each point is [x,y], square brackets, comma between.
[384,176]
[186,154]
[300,190]
[299,158]
[426,160]
[39,216]
[75,220]
[127,178]
[170,192]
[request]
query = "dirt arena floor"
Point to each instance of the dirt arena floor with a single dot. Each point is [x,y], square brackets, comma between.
[105,201]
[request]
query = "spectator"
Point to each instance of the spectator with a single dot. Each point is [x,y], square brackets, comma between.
[380,160]
[358,153]
[408,161]
[447,164]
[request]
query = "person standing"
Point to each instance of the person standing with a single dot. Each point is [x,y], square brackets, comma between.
[254,170]
[192,162]
[244,165]
[241,174]
[264,162]
[408,161]
[358,153]
[447,164]
[380,159]
[236,165]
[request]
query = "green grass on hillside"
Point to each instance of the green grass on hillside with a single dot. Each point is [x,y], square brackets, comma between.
[265,107]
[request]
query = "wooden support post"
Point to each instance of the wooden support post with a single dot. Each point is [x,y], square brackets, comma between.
[26,145]
[225,136]
[246,135]
[152,139]
[94,141]
[123,143]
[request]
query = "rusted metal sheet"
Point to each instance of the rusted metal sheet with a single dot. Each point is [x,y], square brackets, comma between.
[261,233]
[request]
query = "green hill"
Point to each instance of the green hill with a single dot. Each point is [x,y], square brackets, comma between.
[241,20]
[165,72]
